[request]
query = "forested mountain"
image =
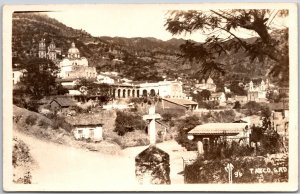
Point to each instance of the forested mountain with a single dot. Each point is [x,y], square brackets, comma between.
[154,56]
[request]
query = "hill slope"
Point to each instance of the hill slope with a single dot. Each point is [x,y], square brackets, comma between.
[159,57]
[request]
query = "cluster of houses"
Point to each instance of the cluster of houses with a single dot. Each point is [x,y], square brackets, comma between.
[73,67]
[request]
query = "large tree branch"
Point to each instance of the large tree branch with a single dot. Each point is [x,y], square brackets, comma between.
[237,38]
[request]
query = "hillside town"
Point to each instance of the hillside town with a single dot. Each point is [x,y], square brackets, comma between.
[168,126]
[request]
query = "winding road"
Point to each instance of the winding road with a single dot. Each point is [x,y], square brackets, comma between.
[62,167]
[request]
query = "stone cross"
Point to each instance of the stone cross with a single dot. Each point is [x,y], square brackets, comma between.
[151,117]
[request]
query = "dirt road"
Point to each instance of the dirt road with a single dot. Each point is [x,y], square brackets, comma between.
[61,166]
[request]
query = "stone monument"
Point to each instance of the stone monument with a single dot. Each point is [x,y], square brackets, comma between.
[152,164]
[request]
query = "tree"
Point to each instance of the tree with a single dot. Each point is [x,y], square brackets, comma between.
[127,122]
[184,126]
[237,105]
[200,96]
[39,79]
[237,89]
[90,88]
[254,108]
[221,27]
[205,94]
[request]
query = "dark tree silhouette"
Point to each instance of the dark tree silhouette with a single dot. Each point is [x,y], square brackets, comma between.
[205,94]
[39,79]
[221,26]
[90,88]
[237,105]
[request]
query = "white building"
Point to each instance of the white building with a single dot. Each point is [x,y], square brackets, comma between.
[86,127]
[219,97]
[207,85]
[17,74]
[258,93]
[105,79]
[165,89]
[73,59]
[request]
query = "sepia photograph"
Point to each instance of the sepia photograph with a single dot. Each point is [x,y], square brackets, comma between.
[150,97]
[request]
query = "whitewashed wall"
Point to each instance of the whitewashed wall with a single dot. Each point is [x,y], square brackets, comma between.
[95,133]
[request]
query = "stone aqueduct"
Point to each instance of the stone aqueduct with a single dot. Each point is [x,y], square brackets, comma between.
[123,91]
[168,89]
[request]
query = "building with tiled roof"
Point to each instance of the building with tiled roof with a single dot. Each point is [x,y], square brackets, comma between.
[87,126]
[61,104]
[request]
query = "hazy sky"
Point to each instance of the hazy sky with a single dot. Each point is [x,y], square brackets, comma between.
[126,21]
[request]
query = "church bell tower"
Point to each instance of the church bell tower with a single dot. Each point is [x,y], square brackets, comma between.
[51,51]
[42,49]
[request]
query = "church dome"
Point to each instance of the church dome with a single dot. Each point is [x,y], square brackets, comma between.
[73,52]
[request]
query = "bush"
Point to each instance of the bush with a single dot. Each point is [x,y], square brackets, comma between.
[168,116]
[213,171]
[173,112]
[42,123]
[24,101]
[31,120]
[184,126]
[59,122]
[237,105]
[209,104]
[270,143]
[127,122]
[135,138]
[79,109]
[20,154]
[254,108]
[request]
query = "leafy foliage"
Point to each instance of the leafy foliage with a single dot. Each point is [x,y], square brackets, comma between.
[235,88]
[31,120]
[221,26]
[184,127]
[213,171]
[39,79]
[139,69]
[127,122]
[201,96]
[90,88]
[254,108]
[237,105]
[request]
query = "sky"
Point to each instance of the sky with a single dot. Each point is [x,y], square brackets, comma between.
[129,21]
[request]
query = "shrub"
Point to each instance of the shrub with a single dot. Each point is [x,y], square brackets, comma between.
[31,120]
[184,126]
[237,105]
[209,104]
[42,123]
[59,122]
[173,112]
[213,171]
[270,143]
[254,108]
[168,116]
[20,154]
[135,138]
[127,122]
[50,116]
